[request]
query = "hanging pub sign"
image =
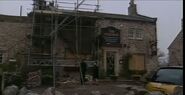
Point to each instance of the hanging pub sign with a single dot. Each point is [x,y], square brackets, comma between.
[110,36]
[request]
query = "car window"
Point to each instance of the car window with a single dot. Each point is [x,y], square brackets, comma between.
[171,76]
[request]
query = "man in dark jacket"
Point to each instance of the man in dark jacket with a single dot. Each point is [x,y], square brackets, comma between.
[95,72]
[83,68]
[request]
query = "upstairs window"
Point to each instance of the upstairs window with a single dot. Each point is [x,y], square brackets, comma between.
[139,34]
[135,33]
[111,35]
[131,33]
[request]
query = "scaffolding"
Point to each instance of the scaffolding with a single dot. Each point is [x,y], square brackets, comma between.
[55,9]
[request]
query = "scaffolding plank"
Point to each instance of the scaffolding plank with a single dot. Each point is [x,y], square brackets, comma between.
[48,11]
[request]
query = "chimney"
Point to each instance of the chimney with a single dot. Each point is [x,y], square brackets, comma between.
[132,9]
[40,4]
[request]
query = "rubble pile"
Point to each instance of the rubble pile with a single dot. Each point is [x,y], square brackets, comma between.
[11,90]
[133,90]
[51,91]
[23,91]
[31,93]
[95,93]
[84,90]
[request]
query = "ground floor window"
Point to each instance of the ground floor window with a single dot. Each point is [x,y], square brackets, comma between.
[137,62]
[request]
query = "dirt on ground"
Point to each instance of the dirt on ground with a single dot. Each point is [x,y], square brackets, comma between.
[97,88]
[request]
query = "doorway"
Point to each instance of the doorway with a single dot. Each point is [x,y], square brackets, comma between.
[111,61]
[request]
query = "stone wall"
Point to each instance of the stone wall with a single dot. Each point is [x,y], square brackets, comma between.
[14,33]
[176,51]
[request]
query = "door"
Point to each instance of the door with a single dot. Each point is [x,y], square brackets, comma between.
[110,60]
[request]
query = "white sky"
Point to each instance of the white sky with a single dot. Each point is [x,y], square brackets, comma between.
[168,12]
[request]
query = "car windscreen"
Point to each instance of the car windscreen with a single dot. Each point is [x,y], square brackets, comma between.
[169,76]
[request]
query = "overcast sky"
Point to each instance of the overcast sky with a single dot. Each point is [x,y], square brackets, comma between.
[168,12]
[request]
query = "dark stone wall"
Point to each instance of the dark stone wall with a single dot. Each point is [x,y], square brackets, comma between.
[14,33]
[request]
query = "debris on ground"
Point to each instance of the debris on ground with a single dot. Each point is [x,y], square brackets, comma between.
[130,93]
[11,90]
[23,91]
[34,79]
[31,93]
[95,93]
[103,88]
[51,91]
[133,90]
[75,94]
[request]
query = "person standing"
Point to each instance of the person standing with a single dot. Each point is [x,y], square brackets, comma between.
[83,68]
[95,72]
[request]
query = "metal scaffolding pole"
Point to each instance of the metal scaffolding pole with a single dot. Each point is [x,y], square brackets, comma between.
[78,4]
[76,22]
[33,25]
[53,53]
[77,47]
[55,27]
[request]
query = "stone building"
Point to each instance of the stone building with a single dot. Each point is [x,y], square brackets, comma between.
[13,36]
[116,42]
[176,50]
[107,39]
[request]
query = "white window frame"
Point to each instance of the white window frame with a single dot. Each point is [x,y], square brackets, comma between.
[131,33]
[135,33]
[139,34]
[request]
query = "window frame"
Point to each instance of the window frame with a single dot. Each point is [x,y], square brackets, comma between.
[135,33]
[131,33]
[154,77]
[139,34]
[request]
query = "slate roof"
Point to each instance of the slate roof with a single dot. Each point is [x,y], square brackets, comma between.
[9,18]
[101,15]
[177,38]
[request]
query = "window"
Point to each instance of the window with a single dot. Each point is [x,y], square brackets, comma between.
[138,34]
[1,58]
[131,33]
[137,62]
[169,75]
[111,39]
[134,33]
